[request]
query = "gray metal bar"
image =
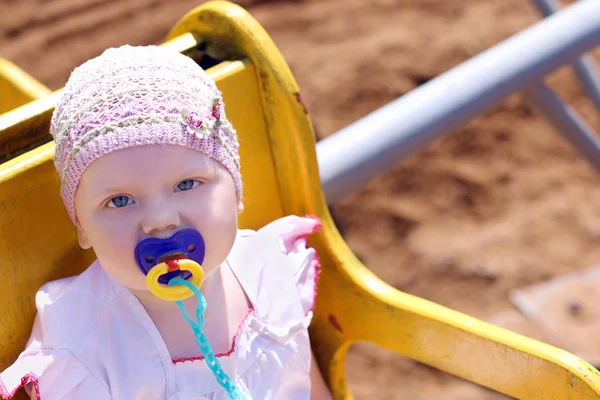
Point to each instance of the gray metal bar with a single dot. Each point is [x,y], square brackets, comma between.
[587,71]
[585,67]
[377,142]
[567,121]
[547,7]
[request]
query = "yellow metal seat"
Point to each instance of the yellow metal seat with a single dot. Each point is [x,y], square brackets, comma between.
[38,243]
[17,88]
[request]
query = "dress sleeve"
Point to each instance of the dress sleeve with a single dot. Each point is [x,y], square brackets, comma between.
[51,374]
[305,264]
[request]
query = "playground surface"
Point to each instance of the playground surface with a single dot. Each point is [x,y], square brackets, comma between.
[500,204]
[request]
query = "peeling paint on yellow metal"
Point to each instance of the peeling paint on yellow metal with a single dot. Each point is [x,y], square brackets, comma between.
[279,169]
[17,87]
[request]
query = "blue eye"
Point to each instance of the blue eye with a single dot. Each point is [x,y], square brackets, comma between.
[119,201]
[187,184]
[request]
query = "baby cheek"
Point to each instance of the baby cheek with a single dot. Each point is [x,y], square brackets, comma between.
[219,237]
[117,243]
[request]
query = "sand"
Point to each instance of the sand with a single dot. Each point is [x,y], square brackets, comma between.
[501,203]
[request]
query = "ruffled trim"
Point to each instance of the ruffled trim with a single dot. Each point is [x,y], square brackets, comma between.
[290,244]
[233,342]
[317,263]
[298,231]
[25,380]
[317,269]
[318,224]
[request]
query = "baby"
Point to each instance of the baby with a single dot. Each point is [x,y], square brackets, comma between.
[149,163]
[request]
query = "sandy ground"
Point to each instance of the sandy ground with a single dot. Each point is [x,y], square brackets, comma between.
[499,204]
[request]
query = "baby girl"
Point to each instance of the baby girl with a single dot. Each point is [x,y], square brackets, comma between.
[150,176]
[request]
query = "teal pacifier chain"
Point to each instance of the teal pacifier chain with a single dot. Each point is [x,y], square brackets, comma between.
[202,341]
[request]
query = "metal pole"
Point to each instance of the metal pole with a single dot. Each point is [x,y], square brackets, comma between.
[585,67]
[377,142]
[567,121]
[586,70]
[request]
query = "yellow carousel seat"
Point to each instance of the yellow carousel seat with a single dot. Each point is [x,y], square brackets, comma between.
[17,88]
[38,243]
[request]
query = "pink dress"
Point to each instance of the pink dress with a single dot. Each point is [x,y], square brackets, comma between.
[93,340]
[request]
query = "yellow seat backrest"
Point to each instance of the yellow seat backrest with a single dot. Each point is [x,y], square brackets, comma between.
[17,88]
[38,243]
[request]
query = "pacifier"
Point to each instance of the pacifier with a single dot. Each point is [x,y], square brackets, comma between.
[179,256]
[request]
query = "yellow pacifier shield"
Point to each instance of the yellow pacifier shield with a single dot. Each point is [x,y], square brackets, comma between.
[174,293]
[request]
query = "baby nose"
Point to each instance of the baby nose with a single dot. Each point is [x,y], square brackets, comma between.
[160,221]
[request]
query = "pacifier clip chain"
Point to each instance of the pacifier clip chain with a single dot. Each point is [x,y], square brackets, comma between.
[212,361]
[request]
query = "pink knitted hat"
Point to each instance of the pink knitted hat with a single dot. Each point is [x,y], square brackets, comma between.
[135,96]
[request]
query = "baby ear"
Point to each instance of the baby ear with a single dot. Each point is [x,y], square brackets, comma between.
[84,241]
[240,207]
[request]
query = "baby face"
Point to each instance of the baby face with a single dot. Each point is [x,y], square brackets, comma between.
[154,191]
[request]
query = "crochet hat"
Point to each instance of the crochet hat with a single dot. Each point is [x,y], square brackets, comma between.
[136,96]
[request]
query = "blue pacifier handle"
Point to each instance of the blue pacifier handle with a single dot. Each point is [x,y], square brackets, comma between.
[186,243]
